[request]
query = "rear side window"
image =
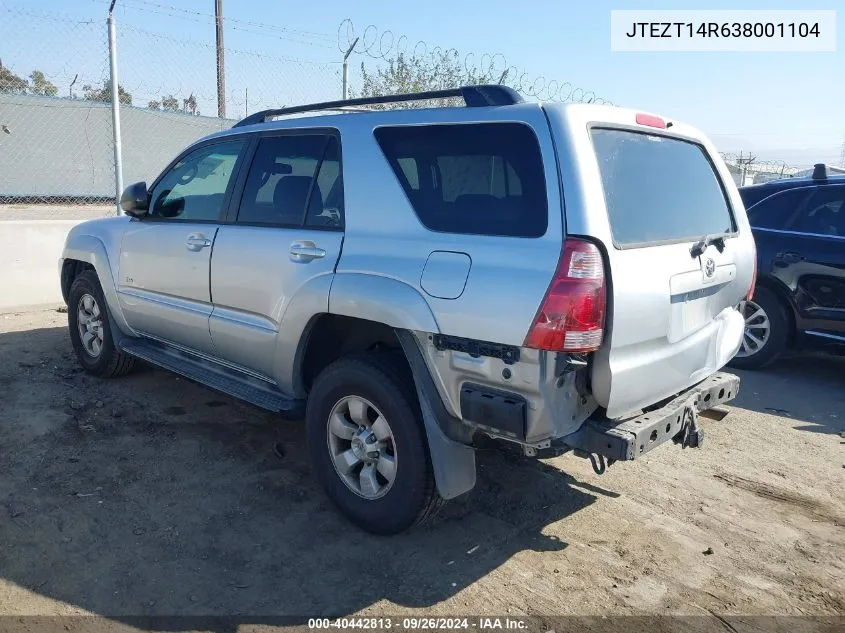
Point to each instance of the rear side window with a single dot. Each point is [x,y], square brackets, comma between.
[778,211]
[825,212]
[659,189]
[479,178]
[293,179]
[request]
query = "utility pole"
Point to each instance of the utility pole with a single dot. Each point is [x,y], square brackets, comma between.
[346,68]
[221,68]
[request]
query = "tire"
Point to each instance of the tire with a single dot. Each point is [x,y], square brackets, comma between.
[102,358]
[411,497]
[774,313]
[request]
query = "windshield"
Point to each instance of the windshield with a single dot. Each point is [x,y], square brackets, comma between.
[659,189]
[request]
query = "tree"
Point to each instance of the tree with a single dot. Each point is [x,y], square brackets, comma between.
[10,82]
[41,85]
[93,93]
[170,104]
[190,104]
[436,70]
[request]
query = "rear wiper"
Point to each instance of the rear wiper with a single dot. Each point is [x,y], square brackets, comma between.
[717,240]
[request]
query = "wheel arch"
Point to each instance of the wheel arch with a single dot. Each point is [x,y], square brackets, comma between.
[784,296]
[86,252]
[329,337]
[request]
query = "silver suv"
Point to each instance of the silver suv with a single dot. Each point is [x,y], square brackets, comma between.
[411,281]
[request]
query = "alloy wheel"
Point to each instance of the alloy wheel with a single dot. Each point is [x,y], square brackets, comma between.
[361,445]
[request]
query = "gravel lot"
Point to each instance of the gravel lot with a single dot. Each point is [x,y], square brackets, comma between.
[152,495]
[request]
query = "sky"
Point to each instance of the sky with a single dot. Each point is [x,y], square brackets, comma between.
[777,106]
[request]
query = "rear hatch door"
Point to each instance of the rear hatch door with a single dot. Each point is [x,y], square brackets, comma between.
[679,250]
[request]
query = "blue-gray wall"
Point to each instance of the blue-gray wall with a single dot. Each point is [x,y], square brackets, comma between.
[63,147]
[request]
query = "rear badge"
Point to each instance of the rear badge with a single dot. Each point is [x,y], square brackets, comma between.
[709,267]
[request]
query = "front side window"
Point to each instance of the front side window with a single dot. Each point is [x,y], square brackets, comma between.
[195,187]
[479,178]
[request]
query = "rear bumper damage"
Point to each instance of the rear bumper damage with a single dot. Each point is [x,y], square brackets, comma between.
[630,439]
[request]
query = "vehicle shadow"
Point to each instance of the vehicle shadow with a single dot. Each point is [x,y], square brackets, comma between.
[808,388]
[152,497]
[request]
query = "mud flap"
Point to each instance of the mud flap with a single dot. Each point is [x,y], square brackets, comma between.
[453,462]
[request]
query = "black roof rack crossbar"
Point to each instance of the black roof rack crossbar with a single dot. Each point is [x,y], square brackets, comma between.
[474,96]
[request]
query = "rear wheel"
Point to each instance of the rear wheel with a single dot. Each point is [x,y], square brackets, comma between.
[766,330]
[367,445]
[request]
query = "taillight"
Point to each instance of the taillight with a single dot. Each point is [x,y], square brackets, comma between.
[650,120]
[571,317]
[750,294]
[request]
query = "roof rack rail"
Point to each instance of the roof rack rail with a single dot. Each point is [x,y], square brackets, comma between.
[474,96]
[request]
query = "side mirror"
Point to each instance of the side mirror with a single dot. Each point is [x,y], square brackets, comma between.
[135,200]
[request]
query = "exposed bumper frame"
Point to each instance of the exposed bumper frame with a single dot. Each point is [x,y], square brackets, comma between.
[632,438]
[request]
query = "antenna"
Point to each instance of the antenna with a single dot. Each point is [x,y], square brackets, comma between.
[819,171]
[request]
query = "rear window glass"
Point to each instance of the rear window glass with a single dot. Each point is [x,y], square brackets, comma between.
[659,189]
[480,178]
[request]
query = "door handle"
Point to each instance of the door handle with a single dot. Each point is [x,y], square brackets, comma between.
[196,242]
[305,251]
[789,258]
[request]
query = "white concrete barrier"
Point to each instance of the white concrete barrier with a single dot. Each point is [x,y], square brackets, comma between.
[29,262]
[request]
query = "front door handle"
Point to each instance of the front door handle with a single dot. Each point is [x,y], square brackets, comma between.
[305,251]
[197,242]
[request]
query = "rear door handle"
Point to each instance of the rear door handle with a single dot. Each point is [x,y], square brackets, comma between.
[789,258]
[305,251]
[196,242]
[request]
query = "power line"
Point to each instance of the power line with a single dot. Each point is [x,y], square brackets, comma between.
[210,17]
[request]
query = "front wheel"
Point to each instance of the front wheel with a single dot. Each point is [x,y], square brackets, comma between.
[90,330]
[368,447]
[766,330]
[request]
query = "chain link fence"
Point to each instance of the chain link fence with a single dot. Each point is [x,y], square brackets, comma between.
[55,122]
[56,131]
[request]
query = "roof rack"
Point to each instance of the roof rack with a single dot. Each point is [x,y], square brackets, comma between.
[473,96]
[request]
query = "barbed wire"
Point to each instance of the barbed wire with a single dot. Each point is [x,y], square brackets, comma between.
[757,164]
[386,46]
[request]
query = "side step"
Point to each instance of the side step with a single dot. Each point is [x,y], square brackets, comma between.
[229,381]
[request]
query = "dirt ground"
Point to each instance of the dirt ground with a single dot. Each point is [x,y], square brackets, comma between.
[150,495]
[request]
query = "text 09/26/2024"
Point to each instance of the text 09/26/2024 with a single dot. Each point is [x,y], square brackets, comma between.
[728,30]
[421,623]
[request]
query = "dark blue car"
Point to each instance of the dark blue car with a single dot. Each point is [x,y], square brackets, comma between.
[799,228]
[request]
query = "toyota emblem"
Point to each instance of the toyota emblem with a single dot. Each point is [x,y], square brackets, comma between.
[709,267]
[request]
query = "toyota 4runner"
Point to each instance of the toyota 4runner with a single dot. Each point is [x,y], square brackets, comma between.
[411,281]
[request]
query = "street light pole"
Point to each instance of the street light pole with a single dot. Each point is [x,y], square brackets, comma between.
[221,68]
[115,110]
